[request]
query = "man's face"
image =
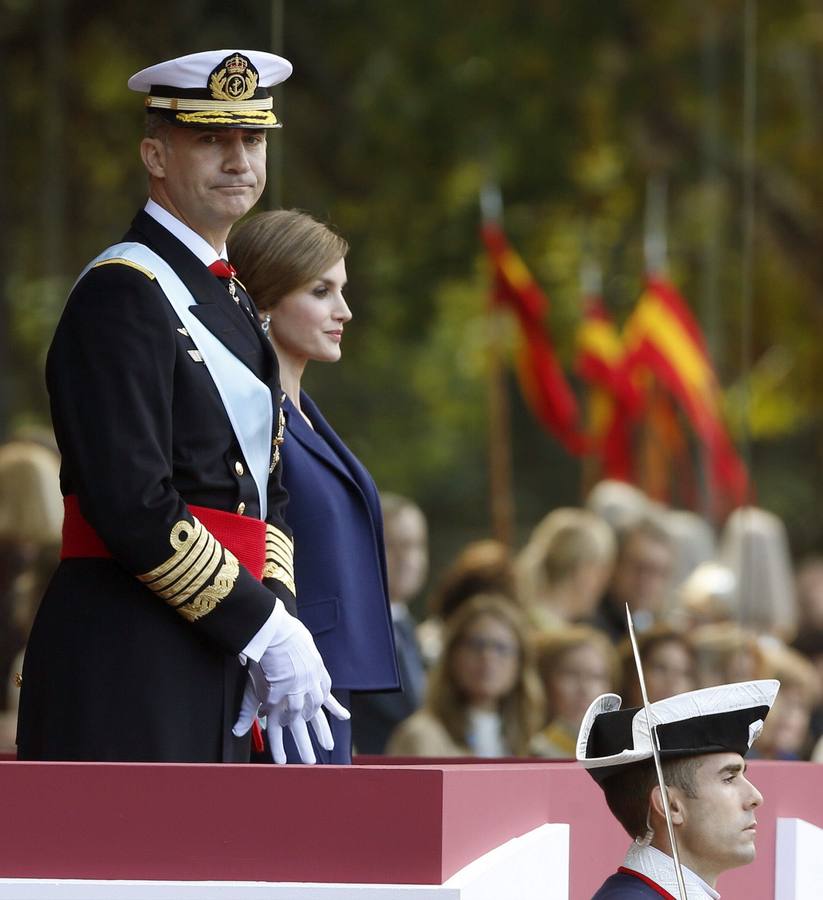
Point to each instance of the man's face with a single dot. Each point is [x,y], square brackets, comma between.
[208,179]
[717,830]
[407,553]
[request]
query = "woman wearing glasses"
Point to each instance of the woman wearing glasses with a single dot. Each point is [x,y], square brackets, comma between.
[484,696]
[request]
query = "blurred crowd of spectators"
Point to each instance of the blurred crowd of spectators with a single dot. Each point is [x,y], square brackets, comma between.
[515,644]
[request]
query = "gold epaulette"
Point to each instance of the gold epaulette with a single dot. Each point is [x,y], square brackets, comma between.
[118,260]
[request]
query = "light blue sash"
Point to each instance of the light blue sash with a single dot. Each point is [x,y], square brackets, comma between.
[247,400]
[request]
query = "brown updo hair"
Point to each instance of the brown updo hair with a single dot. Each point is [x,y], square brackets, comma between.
[280,251]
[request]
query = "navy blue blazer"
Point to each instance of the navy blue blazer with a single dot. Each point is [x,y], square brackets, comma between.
[339,560]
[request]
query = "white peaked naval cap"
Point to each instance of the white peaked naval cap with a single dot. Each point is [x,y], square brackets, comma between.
[214,89]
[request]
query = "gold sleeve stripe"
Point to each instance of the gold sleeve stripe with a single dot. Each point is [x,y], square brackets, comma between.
[187,555]
[197,576]
[279,558]
[194,580]
[207,599]
[278,553]
[275,538]
[183,537]
[189,567]
[119,261]
[286,563]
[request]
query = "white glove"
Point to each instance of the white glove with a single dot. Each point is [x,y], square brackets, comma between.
[289,686]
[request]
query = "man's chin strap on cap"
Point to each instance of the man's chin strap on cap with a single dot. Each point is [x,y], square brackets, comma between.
[664,792]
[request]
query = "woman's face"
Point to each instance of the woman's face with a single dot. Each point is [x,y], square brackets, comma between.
[486,661]
[307,324]
[581,675]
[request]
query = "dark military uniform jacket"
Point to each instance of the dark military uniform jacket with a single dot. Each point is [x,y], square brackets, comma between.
[119,666]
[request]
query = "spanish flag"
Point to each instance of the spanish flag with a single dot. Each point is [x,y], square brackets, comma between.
[662,337]
[541,378]
[615,400]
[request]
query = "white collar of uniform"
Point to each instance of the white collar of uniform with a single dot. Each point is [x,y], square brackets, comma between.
[198,245]
[659,867]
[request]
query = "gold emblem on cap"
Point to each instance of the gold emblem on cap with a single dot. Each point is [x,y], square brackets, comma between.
[233,79]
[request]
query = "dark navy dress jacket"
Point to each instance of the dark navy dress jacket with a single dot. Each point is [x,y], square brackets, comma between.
[339,560]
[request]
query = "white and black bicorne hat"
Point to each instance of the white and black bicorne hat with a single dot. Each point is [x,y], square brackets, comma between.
[214,89]
[723,719]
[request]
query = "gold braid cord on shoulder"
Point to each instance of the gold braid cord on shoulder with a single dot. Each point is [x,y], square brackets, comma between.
[198,575]
[119,261]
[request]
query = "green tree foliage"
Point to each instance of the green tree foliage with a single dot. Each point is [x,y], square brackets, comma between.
[396,116]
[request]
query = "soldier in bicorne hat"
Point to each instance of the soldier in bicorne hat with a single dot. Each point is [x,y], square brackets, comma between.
[703,736]
[167,625]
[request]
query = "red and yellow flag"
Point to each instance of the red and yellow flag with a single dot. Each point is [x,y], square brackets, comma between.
[662,336]
[541,377]
[614,401]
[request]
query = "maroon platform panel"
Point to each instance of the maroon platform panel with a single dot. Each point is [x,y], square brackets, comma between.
[395,824]
[203,822]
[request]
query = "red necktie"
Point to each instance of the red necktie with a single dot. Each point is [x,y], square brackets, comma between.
[222,269]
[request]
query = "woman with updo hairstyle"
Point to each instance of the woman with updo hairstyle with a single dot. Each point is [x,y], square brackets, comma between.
[484,695]
[294,267]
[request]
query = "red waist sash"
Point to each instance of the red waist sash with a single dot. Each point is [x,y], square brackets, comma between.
[243,535]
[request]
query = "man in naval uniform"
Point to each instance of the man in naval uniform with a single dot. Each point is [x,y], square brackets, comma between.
[166,628]
[703,737]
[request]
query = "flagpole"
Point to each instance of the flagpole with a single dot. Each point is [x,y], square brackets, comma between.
[655,245]
[591,285]
[501,496]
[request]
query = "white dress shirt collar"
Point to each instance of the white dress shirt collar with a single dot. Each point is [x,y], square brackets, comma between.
[659,867]
[198,245]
